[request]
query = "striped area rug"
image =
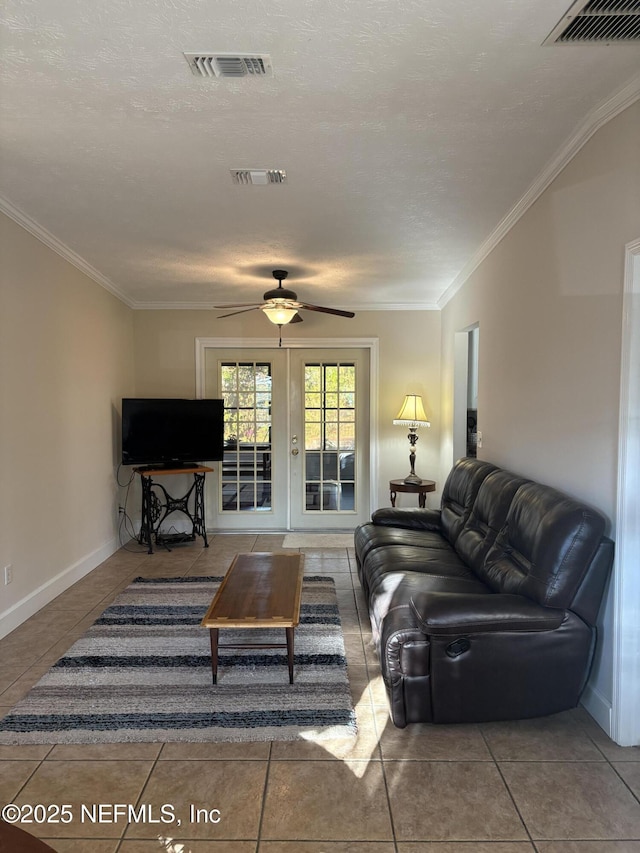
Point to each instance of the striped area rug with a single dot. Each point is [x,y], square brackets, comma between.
[142,673]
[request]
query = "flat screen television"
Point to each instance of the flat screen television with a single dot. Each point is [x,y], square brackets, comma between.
[171,432]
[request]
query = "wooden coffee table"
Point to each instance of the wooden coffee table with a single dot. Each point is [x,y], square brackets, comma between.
[260,590]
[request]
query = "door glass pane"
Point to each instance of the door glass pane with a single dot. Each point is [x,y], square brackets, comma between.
[246,469]
[329,435]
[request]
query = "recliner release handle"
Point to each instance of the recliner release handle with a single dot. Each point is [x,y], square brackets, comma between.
[458,647]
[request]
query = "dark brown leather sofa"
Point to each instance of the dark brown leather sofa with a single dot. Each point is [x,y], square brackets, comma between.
[484,609]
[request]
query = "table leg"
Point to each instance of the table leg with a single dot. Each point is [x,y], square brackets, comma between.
[198,508]
[422,500]
[290,652]
[146,522]
[214,653]
[392,495]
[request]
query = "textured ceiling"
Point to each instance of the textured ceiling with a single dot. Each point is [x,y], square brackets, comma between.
[408,130]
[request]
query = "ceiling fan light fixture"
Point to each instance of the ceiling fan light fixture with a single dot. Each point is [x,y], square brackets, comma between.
[280,314]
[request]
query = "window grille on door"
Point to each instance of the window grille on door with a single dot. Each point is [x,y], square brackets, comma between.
[330,436]
[246,388]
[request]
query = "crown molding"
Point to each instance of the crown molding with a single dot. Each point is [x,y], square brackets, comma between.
[598,117]
[602,114]
[207,306]
[61,249]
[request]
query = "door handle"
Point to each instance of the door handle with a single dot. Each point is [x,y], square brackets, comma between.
[295,451]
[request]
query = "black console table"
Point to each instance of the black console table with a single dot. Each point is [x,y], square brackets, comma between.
[158,504]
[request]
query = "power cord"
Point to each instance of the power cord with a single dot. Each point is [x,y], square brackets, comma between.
[125,525]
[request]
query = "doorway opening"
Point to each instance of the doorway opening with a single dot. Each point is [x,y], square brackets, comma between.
[466,436]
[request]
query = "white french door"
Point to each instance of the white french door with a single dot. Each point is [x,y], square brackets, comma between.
[248,489]
[328,438]
[296,438]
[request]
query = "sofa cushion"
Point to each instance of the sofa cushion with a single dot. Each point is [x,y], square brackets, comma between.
[544,550]
[438,561]
[369,537]
[459,494]
[487,517]
[397,526]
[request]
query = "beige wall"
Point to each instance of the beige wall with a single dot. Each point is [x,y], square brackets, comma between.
[548,300]
[66,359]
[409,362]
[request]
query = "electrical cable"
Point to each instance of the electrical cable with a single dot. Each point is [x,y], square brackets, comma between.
[125,520]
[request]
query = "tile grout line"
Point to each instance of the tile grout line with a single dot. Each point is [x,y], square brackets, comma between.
[39,763]
[610,763]
[624,782]
[141,794]
[264,797]
[506,785]
[383,770]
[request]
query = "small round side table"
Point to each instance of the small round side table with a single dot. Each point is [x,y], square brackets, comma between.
[419,489]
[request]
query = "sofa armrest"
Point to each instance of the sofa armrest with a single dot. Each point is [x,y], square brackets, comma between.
[444,613]
[410,519]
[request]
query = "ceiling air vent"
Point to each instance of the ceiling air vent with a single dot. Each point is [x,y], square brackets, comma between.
[229,65]
[258,177]
[598,21]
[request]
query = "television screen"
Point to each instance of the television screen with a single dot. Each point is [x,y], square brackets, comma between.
[171,432]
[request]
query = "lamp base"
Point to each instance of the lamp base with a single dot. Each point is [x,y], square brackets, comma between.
[412,478]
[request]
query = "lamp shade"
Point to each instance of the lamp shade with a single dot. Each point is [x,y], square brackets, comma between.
[412,412]
[280,314]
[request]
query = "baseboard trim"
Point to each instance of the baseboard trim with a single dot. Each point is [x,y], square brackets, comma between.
[598,706]
[18,613]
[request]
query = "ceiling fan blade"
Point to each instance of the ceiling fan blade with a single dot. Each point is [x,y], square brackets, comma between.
[242,311]
[237,305]
[281,298]
[327,310]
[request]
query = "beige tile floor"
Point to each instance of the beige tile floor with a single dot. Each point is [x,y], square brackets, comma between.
[552,785]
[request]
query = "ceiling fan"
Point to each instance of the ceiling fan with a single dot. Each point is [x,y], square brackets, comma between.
[281,305]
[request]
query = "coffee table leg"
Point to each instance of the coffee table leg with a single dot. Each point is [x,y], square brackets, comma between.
[290,652]
[214,653]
